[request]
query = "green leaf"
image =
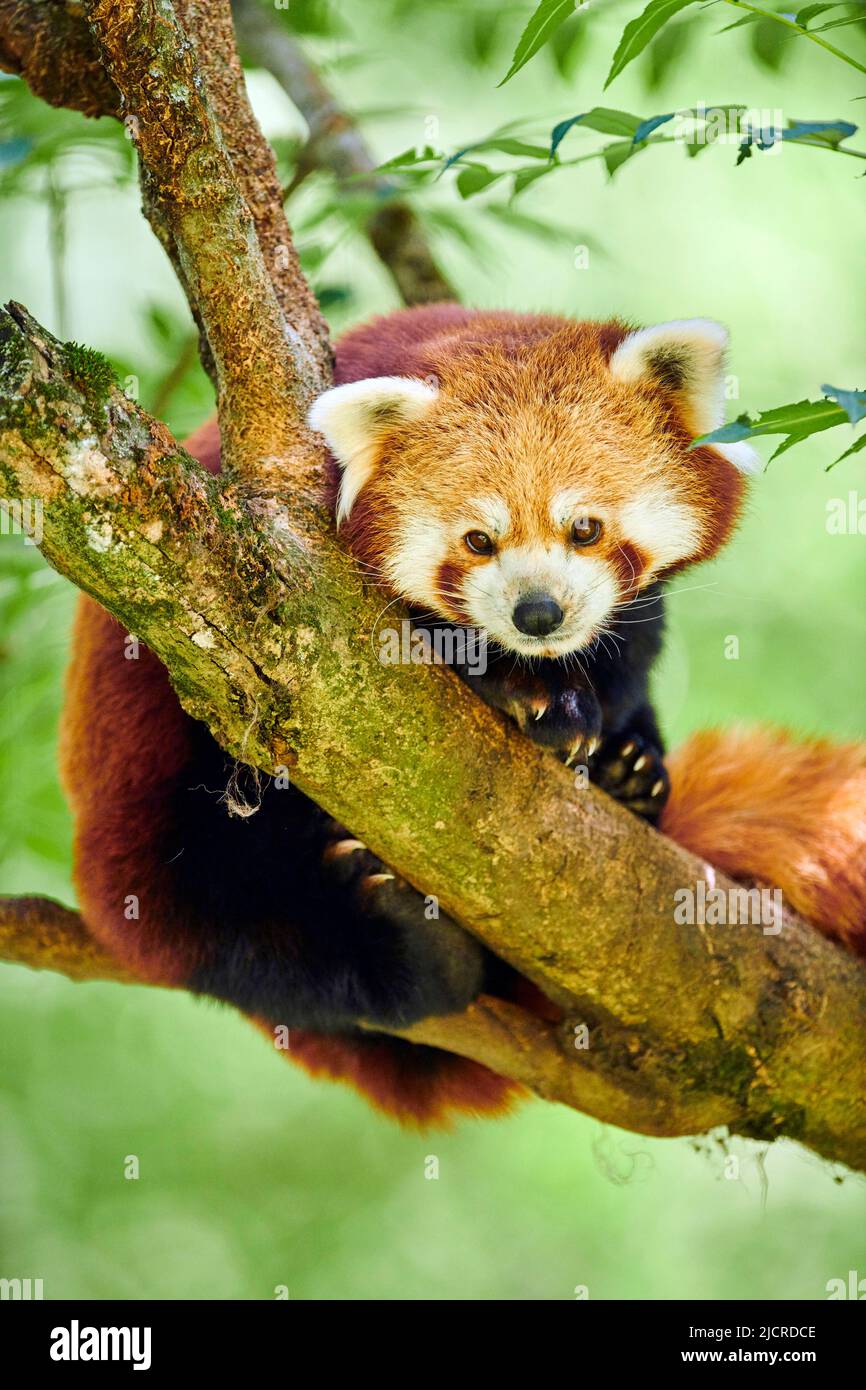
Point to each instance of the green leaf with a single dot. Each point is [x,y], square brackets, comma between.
[819,132]
[797,422]
[854,449]
[771,44]
[665,51]
[524,177]
[601,118]
[518,147]
[504,144]
[639,31]
[616,154]
[533,226]
[852,402]
[474,178]
[453,224]
[650,124]
[410,157]
[567,45]
[803,16]
[837,23]
[543,23]
[745,19]
[482,34]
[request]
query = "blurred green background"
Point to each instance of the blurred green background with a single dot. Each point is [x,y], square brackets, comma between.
[253,1176]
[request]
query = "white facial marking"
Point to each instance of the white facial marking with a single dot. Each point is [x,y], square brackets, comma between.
[571,505]
[663,528]
[488,514]
[584,586]
[412,567]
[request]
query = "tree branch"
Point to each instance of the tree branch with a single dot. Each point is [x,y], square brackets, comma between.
[266,337]
[336,143]
[48,43]
[43,935]
[262,623]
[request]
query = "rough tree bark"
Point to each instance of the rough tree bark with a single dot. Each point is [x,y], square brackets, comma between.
[239,587]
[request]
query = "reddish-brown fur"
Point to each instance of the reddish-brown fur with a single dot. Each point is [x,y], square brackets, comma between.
[758,805]
[786,814]
[110,784]
[581,423]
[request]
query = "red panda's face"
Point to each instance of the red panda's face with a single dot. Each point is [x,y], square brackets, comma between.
[530,496]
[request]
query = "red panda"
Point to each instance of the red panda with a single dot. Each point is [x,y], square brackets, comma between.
[524,476]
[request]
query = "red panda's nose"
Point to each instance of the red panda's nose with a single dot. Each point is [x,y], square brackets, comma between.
[538,615]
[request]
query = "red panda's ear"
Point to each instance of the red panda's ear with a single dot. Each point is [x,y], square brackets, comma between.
[686,358]
[353,418]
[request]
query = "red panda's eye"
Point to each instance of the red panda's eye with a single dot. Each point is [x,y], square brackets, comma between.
[479,542]
[586,530]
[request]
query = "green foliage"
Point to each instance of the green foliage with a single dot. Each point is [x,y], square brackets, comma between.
[541,27]
[767,28]
[36,140]
[90,371]
[698,130]
[796,422]
[600,118]
[852,402]
[568,44]
[665,52]
[314,18]
[638,32]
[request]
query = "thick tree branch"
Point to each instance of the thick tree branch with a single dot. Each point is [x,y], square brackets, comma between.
[270,357]
[263,625]
[43,935]
[48,44]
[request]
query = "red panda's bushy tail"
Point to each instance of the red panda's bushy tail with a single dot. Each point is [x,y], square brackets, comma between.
[781,812]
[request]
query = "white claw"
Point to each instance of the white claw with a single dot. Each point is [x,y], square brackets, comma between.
[641,762]
[373,880]
[540,713]
[593,746]
[339,848]
[627,750]
[658,788]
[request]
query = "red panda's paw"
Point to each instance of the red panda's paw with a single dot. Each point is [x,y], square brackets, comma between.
[346,860]
[630,768]
[428,964]
[547,704]
[569,725]
[441,968]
